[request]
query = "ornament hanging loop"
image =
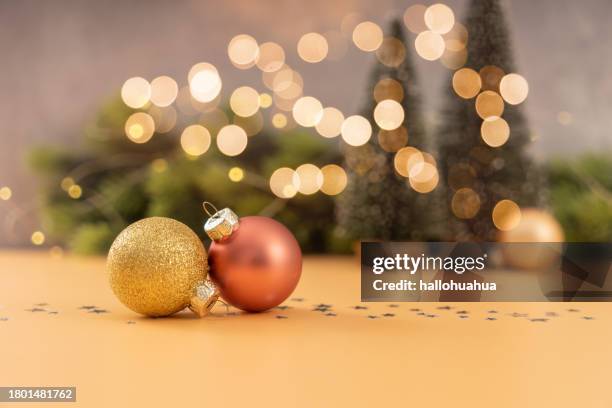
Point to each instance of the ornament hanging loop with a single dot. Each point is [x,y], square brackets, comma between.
[207,206]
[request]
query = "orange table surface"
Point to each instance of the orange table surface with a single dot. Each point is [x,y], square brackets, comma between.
[307,359]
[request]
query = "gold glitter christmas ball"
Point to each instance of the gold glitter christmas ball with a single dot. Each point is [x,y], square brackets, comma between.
[155,266]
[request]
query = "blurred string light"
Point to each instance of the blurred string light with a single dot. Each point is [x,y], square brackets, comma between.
[565,118]
[279,120]
[489,105]
[204,82]
[235,174]
[506,215]
[271,57]
[195,140]
[330,124]
[393,140]
[491,76]
[308,179]
[419,167]
[163,91]
[232,140]
[466,83]
[163,118]
[356,130]
[38,238]
[284,182]
[244,101]
[243,51]
[457,38]
[136,92]
[388,88]
[495,131]
[5,193]
[139,127]
[465,203]
[312,47]
[56,252]
[75,191]
[66,183]
[391,53]
[311,178]
[307,111]
[159,165]
[265,100]
[439,18]
[367,36]
[513,88]
[388,114]
[334,179]
[414,18]
[429,45]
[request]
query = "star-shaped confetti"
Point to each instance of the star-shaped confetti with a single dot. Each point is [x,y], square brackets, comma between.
[131,322]
[330,314]
[588,317]
[372,317]
[86,307]
[283,307]
[538,320]
[444,308]
[491,318]
[389,315]
[359,307]
[53,312]
[415,310]
[297,299]
[551,314]
[492,311]
[462,312]
[281,317]
[41,304]
[35,309]
[393,305]
[573,310]
[431,316]
[463,316]
[516,314]
[98,311]
[421,314]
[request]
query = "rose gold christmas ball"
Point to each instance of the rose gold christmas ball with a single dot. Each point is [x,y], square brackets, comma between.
[258,266]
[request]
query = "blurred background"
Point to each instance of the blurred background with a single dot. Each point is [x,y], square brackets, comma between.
[346,120]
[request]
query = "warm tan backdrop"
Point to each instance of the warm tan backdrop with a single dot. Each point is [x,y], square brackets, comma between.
[306,359]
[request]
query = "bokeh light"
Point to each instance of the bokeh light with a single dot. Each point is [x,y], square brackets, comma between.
[312,47]
[454,59]
[136,92]
[204,82]
[271,57]
[284,182]
[5,193]
[334,179]
[195,140]
[429,45]
[279,120]
[307,111]
[388,114]
[232,140]
[164,118]
[66,183]
[139,127]
[457,38]
[489,104]
[427,182]
[235,174]
[311,178]
[388,88]
[37,238]
[439,18]
[244,101]
[465,203]
[159,165]
[491,76]
[75,191]
[330,124]
[163,91]
[466,83]
[495,131]
[514,88]
[265,100]
[414,18]
[356,130]
[243,51]
[391,53]
[406,159]
[506,215]
[367,36]
[393,140]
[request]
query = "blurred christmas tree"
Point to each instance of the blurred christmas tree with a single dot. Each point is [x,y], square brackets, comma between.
[479,167]
[581,196]
[378,203]
[89,196]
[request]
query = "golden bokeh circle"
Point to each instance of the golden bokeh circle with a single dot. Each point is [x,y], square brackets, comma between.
[388,114]
[164,90]
[406,159]
[312,47]
[271,57]
[311,178]
[244,101]
[429,45]
[334,179]
[495,131]
[367,36]
[393,140]
[136,92]
[506,215]
[465,203]
[139,127]
[195,140]
[489,105]
[284,182]
[439,18]
[466,83]
[388,88]
[243,51]
[330,124]
[356,130]
[514,88]
[391,53]
[307,111]
[232,140]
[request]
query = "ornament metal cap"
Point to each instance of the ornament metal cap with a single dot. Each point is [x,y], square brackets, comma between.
[221,224]
[205,297]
